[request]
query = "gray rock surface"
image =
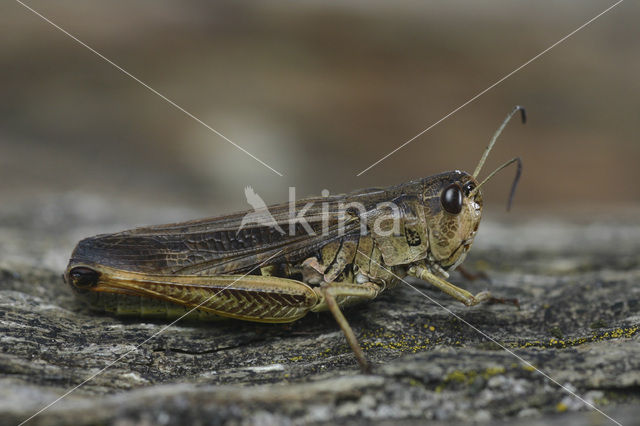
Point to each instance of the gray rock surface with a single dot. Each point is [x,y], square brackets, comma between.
[578,283]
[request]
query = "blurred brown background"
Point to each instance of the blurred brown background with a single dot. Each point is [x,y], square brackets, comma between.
[319,91]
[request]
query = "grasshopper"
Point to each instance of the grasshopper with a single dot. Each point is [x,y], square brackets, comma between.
[224,267]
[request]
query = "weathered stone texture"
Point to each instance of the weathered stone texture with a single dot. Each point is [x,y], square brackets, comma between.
[578,284]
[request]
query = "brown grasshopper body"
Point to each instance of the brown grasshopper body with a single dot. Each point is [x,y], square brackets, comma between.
[350,249]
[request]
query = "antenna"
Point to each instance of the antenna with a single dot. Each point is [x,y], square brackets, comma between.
[496,135]
[515,180]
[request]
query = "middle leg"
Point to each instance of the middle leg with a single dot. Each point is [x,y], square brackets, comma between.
[336,293]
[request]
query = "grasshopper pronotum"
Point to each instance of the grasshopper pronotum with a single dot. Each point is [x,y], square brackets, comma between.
[256,272]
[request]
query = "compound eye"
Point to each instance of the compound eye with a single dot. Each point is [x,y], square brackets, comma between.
[451,199]
[468,187]
[83,278]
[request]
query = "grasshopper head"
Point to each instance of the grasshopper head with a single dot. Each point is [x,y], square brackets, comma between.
[453,209]
[453,205]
